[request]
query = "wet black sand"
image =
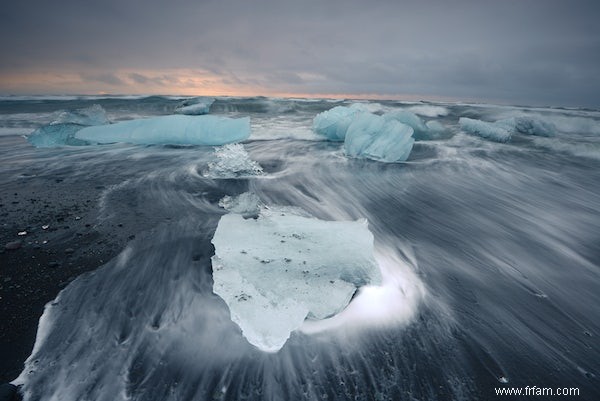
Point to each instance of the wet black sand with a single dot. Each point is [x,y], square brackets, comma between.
[46,258]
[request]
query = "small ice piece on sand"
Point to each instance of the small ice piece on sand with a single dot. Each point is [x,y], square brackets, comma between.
[281,268]
[172,130]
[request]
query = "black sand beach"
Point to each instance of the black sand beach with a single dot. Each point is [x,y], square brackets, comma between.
[45,259]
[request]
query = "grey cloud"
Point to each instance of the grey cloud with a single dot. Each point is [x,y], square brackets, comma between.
[105,78]
[509,50]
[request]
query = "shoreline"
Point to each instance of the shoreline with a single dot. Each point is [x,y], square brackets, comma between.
[62,241]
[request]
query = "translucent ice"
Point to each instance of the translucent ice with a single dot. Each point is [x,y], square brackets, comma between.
[528,126]
[174,130]
[334,123]
[93,115]
[232,161]
[435,130]
[493,131]
[502,130]
[378,138]
[195,106]
[54,135]
[281,268]
[62,130]
[410,119]
[247,204]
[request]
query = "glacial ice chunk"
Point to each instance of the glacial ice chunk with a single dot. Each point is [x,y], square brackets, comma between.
[493,131]
[281,268]
[528,126]
[53,135]
[334,123]
[93,115]
[247,204]
[232,161]
[410,119]
[195,106]
[174,130]
[378,138]
[62,130]
[422,131]
[502,130]
[435,130]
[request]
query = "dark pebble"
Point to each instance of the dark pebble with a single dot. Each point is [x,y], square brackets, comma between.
[53,264]
[11,246]
[69,251]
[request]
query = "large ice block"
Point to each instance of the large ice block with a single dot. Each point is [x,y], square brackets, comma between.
[334,122]
[281,268]
[378,138]
[174,130]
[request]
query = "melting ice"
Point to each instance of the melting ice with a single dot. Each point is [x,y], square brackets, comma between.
[281,268]
[232,161]
[174,130]
[163,130]
[375,137]
[502,130]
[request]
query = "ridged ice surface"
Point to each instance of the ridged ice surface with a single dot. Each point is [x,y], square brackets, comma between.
[278,269]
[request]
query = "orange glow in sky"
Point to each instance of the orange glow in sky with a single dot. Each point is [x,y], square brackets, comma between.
[183,82]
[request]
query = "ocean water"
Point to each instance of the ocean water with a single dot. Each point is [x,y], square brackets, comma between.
[493,248]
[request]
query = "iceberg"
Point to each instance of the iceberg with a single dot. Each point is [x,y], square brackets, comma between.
[378,138]
[172,130]
[195,106]
[232,161]
[281,268]
[493,131]
[334,122]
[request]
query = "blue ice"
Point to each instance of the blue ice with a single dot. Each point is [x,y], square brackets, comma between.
[528,126]
[93,115]
[53,135]
[502,130]
[62,130]
[492,131]
[334,122]
[375,137]
[173,130]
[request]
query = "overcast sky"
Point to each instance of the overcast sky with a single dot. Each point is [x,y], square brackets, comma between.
[540,52]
